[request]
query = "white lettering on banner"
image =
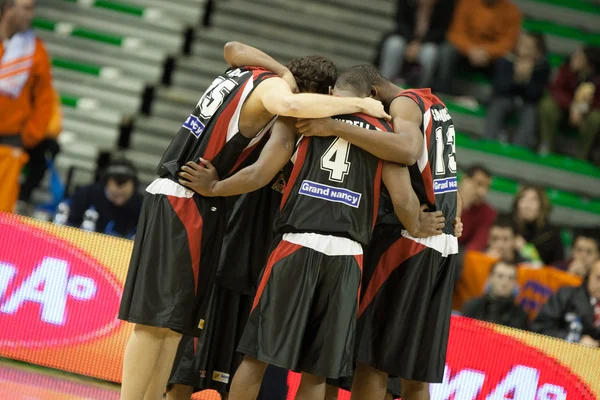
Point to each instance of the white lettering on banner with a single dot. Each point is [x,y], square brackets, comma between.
[464,386]
[521,382]
[50,286]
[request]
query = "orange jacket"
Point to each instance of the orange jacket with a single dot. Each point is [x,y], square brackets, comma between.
[477,25]
[30,113]
[55,125]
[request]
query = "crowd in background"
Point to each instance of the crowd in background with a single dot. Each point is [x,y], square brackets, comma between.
[476,36]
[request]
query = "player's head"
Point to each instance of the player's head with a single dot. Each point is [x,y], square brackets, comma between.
[314,74]
[378,83]
[352,83]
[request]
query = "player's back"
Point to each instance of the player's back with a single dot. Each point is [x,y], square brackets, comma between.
[433,176]
[212,130]
[334,186]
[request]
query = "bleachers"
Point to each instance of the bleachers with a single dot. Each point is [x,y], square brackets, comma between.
[122,47]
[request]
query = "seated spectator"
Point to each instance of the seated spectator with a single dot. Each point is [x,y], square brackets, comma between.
[538,241]
[498,304]
[39,156]
[574,100]
[520,79]
[573,313]
[586,251]
[477,216]
[113,204]
[420,28]
[502,241]
[481,32]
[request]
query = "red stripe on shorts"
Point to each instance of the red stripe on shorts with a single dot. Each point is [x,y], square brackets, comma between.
[187,211]
[283,250]
[392,258]
[359,260]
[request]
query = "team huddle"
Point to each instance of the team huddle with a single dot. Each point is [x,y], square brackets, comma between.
[303,218]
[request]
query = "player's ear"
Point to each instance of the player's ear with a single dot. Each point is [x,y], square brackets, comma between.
[373,91]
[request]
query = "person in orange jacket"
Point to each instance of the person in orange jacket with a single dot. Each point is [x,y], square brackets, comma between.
[26,94]
[481,32]
[39,155]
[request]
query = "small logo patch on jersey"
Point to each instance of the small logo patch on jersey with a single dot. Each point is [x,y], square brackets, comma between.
[445,185]
[220,377]
[330,193]
[194,125]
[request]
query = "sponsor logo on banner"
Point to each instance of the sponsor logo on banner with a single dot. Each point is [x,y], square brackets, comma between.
[51,293]
[219,376]
[330,193]
[445,185]
[194,125]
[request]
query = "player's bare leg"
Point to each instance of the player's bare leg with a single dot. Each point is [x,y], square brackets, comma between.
[369,383]
[311,387]
[413,390]
[162,371]
[180,392]
[247,379]
[331,392]
[141,357]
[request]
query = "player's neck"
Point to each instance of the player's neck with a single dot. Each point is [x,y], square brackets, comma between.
[389,92]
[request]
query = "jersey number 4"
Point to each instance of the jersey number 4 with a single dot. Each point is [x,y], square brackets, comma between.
[335,160]
[443,166]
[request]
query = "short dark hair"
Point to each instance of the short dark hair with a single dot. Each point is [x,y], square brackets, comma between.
[314,74]
[505,221]
[475,168]
[355,81]
[508,264]
[592,53]
[373,74]
[588,233]
[121,171]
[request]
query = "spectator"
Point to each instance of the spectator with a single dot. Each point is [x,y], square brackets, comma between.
[498,304]
[39,156]
[502,241]
[420,28]
[481,32]
[520,79]
[573,305]
[112,205]
[539,242]
[477,216]
[26,94]
[574,100]
[586,251]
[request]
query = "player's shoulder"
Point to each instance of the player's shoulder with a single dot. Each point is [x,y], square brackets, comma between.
[378,123]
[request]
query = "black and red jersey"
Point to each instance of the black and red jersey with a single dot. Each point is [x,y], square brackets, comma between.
[334,186]
[212,130]
[433,176]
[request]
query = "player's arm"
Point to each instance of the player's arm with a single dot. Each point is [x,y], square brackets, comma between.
[406,203]
[278,99]
[239,55]
[278,150]
[404,147]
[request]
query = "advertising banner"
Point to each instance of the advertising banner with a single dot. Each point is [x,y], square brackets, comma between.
[60,289]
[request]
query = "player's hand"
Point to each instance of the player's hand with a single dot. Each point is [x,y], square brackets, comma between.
[589,341]
[458,227]
[316,127]
[201,178]
[374,108]
[288,77]
[430,223]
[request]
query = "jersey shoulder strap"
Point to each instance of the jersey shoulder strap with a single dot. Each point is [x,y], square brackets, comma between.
[416,96]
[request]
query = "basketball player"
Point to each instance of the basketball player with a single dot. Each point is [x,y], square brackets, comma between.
[176,250]
[405,308]
[304,312]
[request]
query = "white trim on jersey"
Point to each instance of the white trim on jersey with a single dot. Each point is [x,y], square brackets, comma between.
[326,244]
[234,122]
[169,188]
[424,159]
[444,243]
